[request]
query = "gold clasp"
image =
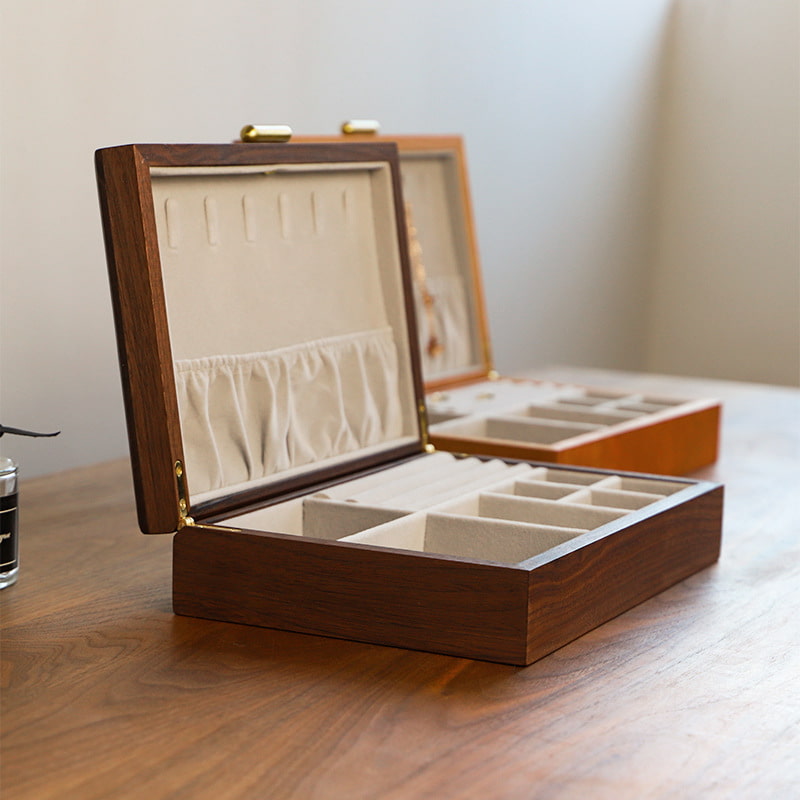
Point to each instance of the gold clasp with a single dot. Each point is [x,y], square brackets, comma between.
[266,133]
[355,127]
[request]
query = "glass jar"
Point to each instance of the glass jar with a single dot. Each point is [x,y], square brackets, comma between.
[9,516]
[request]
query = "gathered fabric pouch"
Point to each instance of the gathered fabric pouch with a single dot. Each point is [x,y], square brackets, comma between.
[249,416]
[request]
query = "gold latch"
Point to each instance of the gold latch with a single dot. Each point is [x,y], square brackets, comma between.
[360,127]
[184,520]
[266,133]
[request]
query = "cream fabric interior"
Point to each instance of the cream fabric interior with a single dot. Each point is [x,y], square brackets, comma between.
[286,318]
[238,412]
[534,412]
[484,510]
[432,192]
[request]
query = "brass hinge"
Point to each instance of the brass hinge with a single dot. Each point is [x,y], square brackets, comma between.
[184,520]
[422,411]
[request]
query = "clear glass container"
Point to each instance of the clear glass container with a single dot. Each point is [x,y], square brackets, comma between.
[9,519]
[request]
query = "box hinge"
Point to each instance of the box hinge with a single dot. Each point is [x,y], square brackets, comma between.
[423,428]
[266,133]
[184,520]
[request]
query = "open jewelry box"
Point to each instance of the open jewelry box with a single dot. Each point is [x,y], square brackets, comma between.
[270,367]
[471,409]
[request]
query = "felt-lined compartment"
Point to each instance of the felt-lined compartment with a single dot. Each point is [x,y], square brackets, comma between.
[487,510]
[536,413]
[286,318]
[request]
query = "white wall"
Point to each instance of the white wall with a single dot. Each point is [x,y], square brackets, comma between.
[558,101]
[726,288]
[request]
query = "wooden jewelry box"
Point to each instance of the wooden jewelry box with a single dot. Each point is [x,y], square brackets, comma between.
[270,368]
[471,409]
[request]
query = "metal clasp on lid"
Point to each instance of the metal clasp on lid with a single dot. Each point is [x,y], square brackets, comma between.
[360,126]
[184,519]
[266,133]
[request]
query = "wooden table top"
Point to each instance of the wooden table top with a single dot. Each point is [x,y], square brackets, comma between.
[693,694]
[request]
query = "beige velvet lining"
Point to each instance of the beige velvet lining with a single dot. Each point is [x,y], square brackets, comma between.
[237,411]
[534,413]
[485,510]
[432,190]
[445,321]
[286,318]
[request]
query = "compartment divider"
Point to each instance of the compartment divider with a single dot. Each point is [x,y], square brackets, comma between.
[502,541]
[573,478]
[335,519]
[642,407]
[648,485]
[545,512]
[609,416]
[613,498]
[545,490]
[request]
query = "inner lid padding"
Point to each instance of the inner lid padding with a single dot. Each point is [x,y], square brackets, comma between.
[286,318]
[441,266]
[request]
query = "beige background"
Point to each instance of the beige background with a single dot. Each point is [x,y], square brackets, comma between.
[634,168]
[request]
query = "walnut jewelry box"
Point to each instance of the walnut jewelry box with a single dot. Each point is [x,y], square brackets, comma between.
[471,409]
[270,365]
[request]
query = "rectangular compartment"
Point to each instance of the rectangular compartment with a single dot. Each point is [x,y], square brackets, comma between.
[518,429]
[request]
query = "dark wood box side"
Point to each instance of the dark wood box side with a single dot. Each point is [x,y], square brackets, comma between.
[581,590]
[375,595]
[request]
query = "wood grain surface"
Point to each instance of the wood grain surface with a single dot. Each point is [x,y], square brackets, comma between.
[107,694]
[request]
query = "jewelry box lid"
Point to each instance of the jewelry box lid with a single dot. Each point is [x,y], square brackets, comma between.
[451,314]
[445,266]
[265,323]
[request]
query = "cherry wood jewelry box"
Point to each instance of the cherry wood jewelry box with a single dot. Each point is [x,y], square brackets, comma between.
[471,409]
[270,365]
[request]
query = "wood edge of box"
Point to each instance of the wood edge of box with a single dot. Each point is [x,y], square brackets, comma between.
[673,442]
[592,585]
[365,593]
